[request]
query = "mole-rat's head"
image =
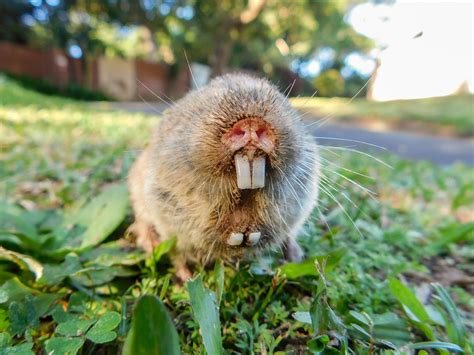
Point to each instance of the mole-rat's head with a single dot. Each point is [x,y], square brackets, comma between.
[253,132]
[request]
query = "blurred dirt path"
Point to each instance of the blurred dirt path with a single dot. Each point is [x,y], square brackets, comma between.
[439,150]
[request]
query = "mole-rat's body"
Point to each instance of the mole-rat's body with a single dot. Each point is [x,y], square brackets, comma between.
[229,171]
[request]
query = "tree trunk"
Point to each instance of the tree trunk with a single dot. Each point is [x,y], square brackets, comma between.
[370,89]
[220,57]
[223,44]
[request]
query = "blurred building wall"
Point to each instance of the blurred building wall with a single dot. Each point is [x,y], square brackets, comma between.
[152,80]
[119,79]
[34,63]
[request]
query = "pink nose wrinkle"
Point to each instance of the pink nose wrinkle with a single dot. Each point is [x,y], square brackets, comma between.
[250,134]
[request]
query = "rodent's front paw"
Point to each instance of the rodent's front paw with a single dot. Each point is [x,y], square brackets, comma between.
[292,251]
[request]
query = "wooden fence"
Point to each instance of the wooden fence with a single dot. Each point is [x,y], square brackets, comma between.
[120,79]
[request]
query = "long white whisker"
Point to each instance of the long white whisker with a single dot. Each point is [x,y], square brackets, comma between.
[328,117]
[291,88]
[327,161]
[351,140]
[321,215]
[153,93]
[357,151]
[341,207]
[307,100]
[190,71]
[371,193]
[150,105]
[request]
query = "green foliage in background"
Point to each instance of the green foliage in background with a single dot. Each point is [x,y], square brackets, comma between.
[71,282]
[329,83]
[72,90]
[258,34]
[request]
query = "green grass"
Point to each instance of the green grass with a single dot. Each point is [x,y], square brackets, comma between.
[452,113]
[70,281]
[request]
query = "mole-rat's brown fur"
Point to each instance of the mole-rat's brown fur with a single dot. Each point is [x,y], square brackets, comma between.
[184,182]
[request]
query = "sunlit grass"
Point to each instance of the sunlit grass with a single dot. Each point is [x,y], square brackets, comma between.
[56,152]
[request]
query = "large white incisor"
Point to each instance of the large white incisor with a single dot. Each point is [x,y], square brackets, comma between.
[250,176]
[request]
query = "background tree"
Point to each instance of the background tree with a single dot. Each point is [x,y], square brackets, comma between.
[14,17]
[158,18]
[265,33]
[269,36]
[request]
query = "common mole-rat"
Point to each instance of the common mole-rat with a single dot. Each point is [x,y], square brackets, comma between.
[230,171]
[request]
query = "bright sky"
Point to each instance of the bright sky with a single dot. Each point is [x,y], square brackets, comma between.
[392,25]
[450,22]
[436,63]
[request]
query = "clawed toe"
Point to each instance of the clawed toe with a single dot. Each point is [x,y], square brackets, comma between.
[292,251]
[236,239]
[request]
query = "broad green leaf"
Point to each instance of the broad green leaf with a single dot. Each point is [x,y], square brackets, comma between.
[101,216]
[361,331]
[43,302]
[318,344]
[101,337]
[75,327]
[60,315]
[206,312]
[22,316]
[335,321]
[12,241]
[12,210]
[62,345]
[78,302]
[436,345]
[25,262]
[17,225]
[21,349]
[413,307]
[13,290]
[303,317]
[152,331]
[163,248]
[99,275]
[454,233]
[113,253]
[4,322]
[395,336]
[406,297]
[102,331]
[307,268]
[385,344]
[390,327]
[363,318]
[5,339]
[54,274]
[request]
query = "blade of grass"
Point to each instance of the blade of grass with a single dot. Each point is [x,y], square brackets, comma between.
[450,307]
[436,345]
[203,302]
[152,331]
